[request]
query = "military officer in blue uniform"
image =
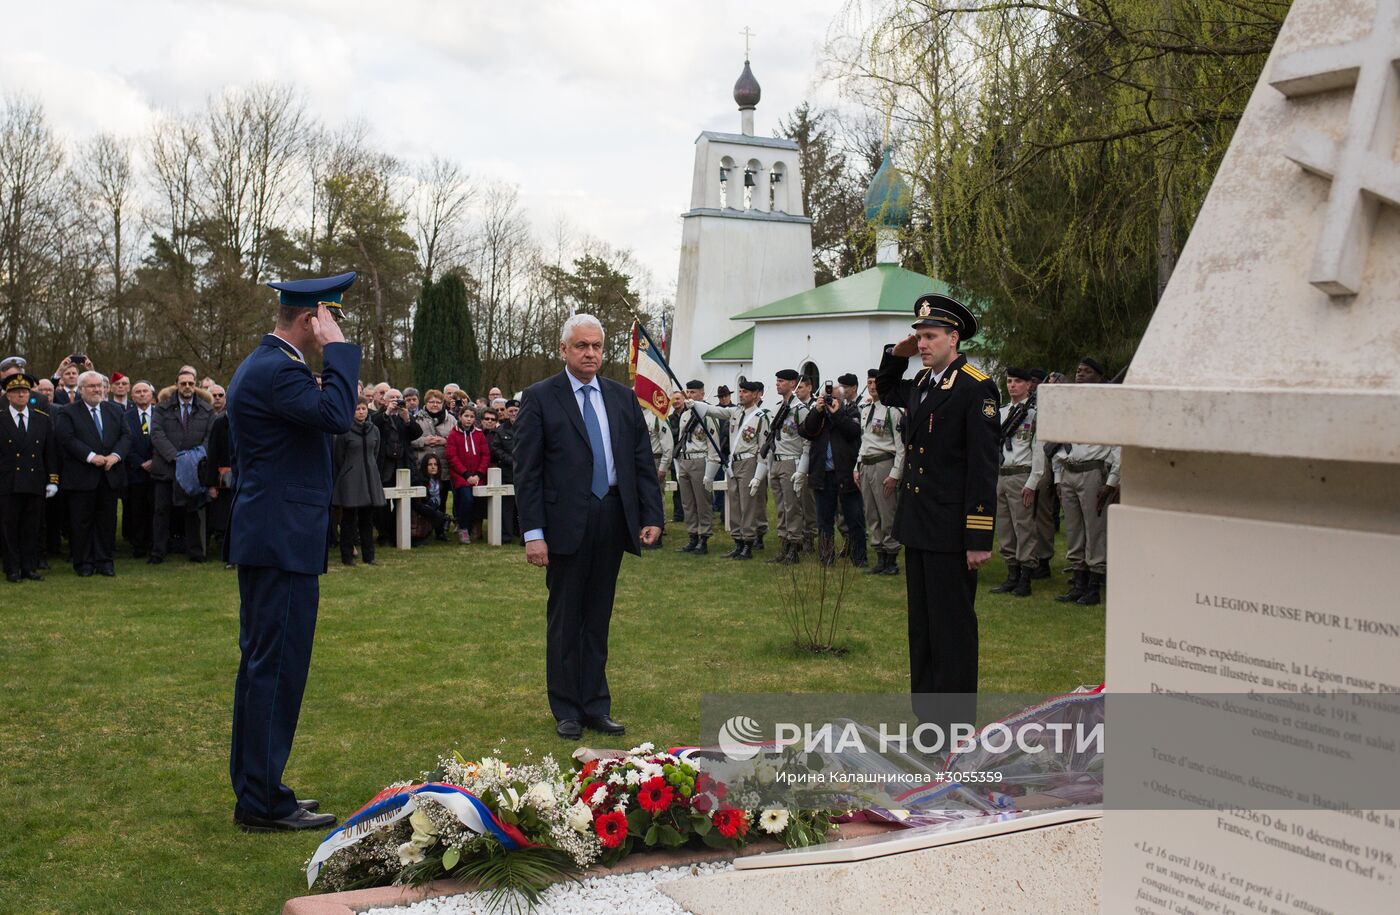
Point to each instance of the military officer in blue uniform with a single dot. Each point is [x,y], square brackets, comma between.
[947,501]
[281,422]
[26,479]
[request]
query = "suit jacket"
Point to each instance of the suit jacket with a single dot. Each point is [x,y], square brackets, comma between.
[554,463]
[947,499]
[280,429]
[139,451]
[169,437]
[60,395]
[842,431]
[28,463]
[77,436]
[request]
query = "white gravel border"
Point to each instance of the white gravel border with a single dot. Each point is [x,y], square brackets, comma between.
[592,896]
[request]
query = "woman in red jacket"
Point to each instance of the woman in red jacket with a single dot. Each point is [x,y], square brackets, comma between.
[468,456]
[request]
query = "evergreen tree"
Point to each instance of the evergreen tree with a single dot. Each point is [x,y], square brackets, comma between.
[444,341]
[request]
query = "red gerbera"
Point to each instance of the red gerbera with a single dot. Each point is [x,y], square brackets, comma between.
[731,823]
[588,769]
[611,828]
[655,795]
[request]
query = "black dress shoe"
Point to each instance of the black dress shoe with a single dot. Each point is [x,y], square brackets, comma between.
[298,820]
[106,570]
[606,725]
[569,729]
[310,805]
[33,576]
[84,571]
[13,576]
[154,560]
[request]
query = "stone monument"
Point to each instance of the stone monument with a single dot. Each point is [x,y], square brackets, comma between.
[1257,546]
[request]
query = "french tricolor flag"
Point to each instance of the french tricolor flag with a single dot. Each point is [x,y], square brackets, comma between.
[651,377]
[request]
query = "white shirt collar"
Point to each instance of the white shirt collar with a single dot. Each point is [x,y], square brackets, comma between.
[16,414]
[299,353]
[580,384]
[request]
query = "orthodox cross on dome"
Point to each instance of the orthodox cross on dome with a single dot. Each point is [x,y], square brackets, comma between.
[1360,166]
[748,34]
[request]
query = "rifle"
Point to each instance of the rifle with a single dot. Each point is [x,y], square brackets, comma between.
[1014,417]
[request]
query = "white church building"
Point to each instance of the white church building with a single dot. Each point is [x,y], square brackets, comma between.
[746,303]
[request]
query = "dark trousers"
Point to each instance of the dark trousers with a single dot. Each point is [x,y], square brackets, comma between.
[581,588]
[277,622]
[357,522]
[20,513]
[852,509]
[677,513]
[942,635]
[54,522]
[462,503]
[92,517]
[138,514]
[167,513]
[435,515]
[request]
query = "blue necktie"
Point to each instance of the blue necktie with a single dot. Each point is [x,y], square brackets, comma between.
[97,419]
[595,441]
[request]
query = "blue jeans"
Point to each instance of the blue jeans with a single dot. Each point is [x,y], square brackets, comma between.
[462,506]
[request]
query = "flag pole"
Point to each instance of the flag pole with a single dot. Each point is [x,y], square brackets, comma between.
[665,365]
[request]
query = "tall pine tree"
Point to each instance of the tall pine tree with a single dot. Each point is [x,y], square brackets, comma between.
[444,342]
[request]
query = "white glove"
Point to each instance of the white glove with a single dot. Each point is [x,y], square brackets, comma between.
[711,471]
[753,486]
[50,490]
[799,482]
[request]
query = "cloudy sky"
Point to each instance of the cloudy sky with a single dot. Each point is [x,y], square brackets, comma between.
[592,108]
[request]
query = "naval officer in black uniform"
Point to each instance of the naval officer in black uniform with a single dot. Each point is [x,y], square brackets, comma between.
[947,501]
[281,422]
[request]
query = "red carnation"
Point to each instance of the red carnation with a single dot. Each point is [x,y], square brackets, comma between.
[655,795]
[731,823]
[611,828]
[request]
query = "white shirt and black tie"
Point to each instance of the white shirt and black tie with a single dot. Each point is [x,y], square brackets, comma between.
[21,419]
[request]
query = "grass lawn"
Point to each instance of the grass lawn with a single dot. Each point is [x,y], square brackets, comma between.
[115,723]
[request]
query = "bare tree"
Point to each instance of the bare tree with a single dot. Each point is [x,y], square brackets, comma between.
[441,201]
[503,251]
[105,179]
[31,205]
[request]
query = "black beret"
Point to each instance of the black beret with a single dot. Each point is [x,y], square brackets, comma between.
[849,379]
[787,375]
[695,385]
[512,403]
[871,373]
[747,385]
[1037,374]
[1094,364]
[1013,371]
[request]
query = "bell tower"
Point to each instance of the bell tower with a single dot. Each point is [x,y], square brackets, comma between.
[745,240]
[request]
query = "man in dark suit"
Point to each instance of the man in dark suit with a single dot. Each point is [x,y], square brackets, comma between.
[26,479]
[586,488]
[93,442]
[182,424]
[281,423]
[833,428]
[138,502]
[947,503]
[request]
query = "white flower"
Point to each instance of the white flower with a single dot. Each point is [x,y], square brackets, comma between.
[621,804]
[634,777]
[511,799]
[600,794]
[773,820]
[492,768]
[616,779]
[650,771]
[540,796]
[409,853]
[580,818]
[644,748]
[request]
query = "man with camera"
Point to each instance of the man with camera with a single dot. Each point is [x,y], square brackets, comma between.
[833,428]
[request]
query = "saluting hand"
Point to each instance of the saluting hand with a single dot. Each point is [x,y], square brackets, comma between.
[324,328]
[907,347]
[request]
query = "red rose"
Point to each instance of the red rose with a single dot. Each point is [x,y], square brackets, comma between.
[702,803]
[611,828]
[731,823]
[655,795]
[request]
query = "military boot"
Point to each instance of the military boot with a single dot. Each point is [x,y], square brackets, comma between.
[756,544]
[734,553]
[1013,575]
[1042,569]
[690,544]
[1078,585]
[1091,595]
[780,559]
[1023,582]
[703,549]
[879,567]
[891,566]
[745,550]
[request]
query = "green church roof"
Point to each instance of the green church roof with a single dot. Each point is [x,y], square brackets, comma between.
[738,348]
[883,288]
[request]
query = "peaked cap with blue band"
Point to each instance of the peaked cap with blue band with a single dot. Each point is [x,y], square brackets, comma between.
[311,293]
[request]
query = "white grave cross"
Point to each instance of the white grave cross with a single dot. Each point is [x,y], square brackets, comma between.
[404,492]
[1360,167]
[493,490]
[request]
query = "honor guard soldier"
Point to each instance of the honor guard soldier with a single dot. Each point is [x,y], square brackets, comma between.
[788,454]
[697,462]
[1022,466]
[28,476]
[748,427]
[662,446]
[1047,503]
[880,464]
[806,395]
[1087,476]
[945,513]
[281,422]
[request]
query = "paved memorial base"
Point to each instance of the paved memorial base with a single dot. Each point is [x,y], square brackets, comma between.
[1054,870]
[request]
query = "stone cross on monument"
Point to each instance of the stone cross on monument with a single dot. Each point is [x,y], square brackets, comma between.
[1360,167]
[403,492]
